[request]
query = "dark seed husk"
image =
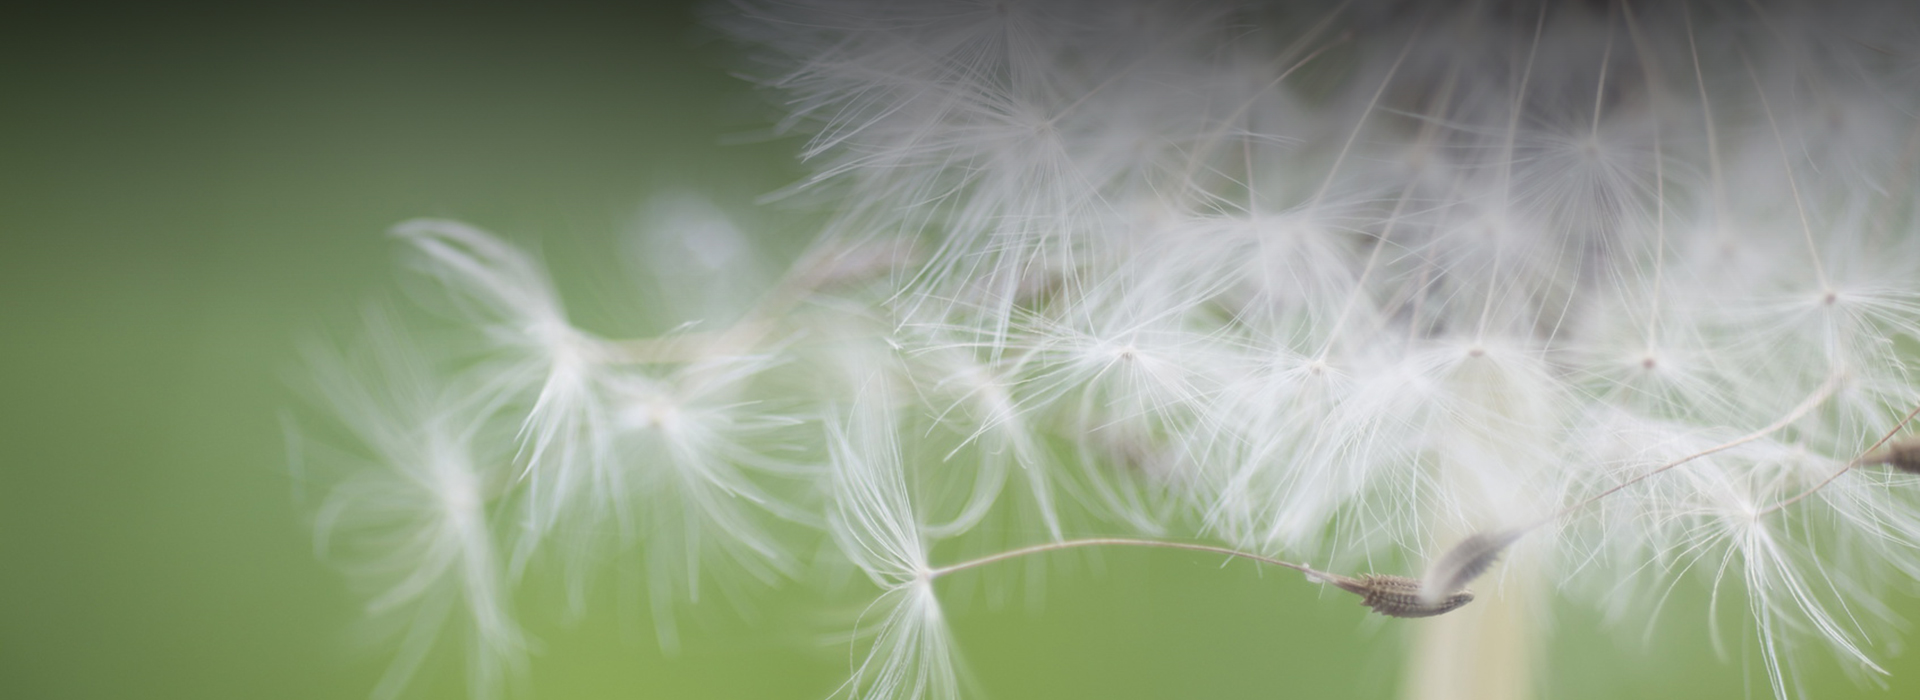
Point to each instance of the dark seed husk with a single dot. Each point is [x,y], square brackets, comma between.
[1902,454]
[1399,596]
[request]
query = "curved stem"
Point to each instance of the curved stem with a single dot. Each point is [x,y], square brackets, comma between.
[689,347]
[815,270]
[1793,182]
[1127,542]
[1819,396]
[1857,461]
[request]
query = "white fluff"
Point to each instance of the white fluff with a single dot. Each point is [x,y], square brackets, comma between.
[1338,283]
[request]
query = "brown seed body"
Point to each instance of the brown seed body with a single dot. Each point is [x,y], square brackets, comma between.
[1902,454]
[1398,596]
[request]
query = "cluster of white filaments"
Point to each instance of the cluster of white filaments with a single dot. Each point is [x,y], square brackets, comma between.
[1345,283]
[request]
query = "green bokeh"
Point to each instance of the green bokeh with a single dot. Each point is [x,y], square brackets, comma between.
[187,192]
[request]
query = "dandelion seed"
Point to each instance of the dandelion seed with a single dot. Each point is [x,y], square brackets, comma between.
[544,360]
[413,524]
[875,524]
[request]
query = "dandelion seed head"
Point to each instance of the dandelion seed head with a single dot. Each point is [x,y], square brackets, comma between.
[1611,298]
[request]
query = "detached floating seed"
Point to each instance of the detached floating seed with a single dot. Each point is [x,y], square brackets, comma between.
[1398,596]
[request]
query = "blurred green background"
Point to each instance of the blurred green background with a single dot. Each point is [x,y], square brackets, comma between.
[186,192]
